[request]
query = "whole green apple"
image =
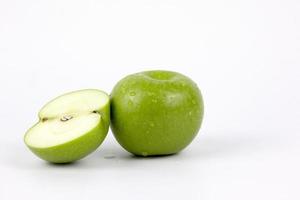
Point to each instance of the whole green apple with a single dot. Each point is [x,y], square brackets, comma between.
[156,112]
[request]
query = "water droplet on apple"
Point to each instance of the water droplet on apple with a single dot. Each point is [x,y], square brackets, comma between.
[152,124]
[132,93]
[130,103]
[154,100]
[194,102]
[190,113]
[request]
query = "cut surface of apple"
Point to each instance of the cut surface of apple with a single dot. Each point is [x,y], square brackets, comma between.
[70,127]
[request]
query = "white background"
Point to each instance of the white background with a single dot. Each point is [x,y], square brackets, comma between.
[244,55]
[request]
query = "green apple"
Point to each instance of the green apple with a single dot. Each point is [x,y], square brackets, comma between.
[156,112]
[70,127]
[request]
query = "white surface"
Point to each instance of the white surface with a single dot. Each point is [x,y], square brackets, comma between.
[244,55]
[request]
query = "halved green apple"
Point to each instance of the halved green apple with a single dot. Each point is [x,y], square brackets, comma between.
[70,127]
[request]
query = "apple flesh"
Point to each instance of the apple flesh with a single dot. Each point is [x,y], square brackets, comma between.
[70,126]
[156,112]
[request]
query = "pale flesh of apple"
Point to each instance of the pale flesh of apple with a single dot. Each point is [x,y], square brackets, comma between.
[66,118]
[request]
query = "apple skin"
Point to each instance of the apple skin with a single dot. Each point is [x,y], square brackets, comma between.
[75,149]
[156,112]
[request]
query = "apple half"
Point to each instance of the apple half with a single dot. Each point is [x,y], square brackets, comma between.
[70,127]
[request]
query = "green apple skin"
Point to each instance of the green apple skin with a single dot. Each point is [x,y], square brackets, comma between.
[75,149]
[156,112]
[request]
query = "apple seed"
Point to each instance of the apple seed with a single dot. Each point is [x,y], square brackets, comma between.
[44,119]
[66,118]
